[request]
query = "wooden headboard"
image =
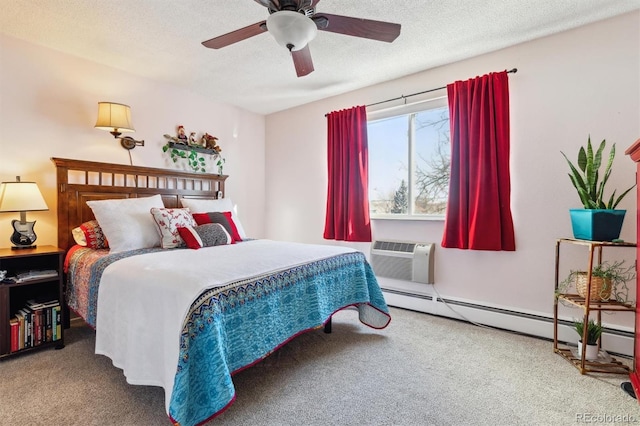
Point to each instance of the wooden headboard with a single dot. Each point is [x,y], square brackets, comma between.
[81,181]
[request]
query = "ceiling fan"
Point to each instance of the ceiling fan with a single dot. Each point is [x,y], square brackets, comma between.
[294,23]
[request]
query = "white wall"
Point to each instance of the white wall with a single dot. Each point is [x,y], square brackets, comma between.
[48,106]
[581,82]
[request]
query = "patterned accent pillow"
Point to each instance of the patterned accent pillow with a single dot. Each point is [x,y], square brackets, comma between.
[207,235]
[199,205]
[168,221]
[223,218]
[90,235]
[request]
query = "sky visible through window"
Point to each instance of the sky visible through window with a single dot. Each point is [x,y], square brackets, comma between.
[389,156]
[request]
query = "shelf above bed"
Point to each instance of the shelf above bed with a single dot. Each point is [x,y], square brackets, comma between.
[199,149]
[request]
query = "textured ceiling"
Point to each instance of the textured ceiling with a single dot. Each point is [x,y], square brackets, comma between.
[161,40]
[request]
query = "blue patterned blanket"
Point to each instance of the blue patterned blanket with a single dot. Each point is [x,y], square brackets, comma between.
[234,326]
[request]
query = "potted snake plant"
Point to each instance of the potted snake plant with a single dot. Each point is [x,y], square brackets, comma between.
[599,220]
[594,331]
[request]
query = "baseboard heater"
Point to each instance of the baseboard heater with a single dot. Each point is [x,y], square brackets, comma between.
[616,341]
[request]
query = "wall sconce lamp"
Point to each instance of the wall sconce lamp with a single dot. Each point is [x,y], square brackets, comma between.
[116,118]
[21,197]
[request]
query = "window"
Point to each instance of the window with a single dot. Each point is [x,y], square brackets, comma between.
[409,161]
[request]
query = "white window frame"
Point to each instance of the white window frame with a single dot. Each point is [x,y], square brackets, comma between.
[401,110]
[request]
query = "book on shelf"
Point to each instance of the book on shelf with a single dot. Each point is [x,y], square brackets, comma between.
[33,304]
[26,314]
[53,323]
[14,328]
[58,322]
[20,318]
[54,331]
[36,323]
[48,325]
[35,275]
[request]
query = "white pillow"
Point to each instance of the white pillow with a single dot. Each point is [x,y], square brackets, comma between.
[127,223]
[196,205]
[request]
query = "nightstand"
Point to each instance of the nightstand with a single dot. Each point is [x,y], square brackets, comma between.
[31,307]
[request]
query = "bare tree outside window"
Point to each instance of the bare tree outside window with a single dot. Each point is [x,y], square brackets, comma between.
[433,169]
[409,164]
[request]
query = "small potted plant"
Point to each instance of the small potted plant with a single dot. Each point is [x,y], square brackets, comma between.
[599,220]
[608,282]
[594,331]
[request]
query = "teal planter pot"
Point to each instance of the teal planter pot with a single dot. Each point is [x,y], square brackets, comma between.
[596,224]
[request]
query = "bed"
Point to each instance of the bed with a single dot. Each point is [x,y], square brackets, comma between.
[187,320]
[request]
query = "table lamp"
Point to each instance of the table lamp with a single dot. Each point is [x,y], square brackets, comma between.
[21,197]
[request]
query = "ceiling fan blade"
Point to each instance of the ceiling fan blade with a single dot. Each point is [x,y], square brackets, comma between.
[302,61]
[366,28]
[236,36]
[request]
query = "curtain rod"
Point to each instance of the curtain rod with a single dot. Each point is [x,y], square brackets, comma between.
[514,70]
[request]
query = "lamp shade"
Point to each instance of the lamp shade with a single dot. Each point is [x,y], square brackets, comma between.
[292,30]
[21,196]
[114,117]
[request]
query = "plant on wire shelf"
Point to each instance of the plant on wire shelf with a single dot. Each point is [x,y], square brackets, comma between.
[614,276]
[594,331]
[586,177]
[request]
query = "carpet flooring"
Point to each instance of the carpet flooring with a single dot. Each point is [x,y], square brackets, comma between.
[420,370]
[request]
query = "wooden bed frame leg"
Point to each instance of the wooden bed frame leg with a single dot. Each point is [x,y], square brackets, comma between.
[327,326]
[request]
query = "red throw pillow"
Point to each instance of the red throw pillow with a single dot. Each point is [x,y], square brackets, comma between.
[234,230]
[190,237]
[206,235]
[223,218]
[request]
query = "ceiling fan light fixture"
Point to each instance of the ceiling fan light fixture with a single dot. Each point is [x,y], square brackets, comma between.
[292,30]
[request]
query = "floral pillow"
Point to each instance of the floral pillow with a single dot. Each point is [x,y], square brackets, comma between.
[90,235]
[168,221]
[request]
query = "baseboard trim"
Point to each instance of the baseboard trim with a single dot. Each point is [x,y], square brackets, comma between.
[615,341]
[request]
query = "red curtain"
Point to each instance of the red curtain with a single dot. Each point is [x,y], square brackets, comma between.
[478,211]
[347,216]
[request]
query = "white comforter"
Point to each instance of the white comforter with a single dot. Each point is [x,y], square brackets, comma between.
[142,300]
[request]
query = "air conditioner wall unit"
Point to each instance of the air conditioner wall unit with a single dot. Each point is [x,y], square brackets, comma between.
[403,260]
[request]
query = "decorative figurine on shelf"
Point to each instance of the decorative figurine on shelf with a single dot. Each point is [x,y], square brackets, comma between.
[189,148]
[171,138]
[210,142]
[182,135]
[180,138]
[192,139]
